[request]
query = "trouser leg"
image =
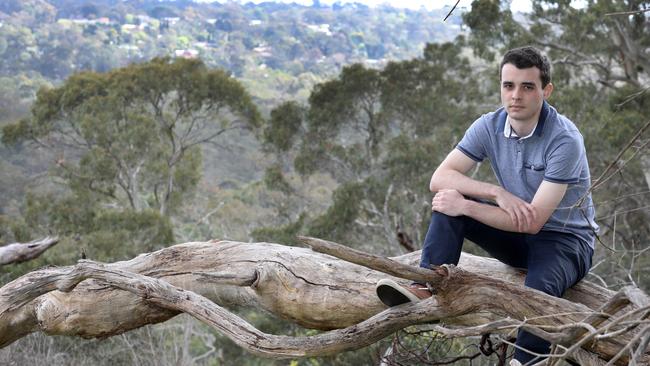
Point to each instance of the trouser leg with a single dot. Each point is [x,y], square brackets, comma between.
[556,261]
[444,241]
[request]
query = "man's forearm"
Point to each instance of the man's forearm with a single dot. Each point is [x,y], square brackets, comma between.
[493,216]
[451,179]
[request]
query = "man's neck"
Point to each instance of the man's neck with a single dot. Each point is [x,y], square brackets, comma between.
[524,128]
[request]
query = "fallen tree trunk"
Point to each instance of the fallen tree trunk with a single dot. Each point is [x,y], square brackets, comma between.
[314,290]
[21,252]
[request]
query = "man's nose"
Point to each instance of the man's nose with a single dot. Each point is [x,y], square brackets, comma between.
[516,93]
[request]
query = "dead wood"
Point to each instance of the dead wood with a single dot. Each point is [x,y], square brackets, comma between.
[21,252]
[314,290]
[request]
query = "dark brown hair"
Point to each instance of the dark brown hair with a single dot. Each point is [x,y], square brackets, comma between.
[525,57]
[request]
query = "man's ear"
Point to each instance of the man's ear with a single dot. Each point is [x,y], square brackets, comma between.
[548,90]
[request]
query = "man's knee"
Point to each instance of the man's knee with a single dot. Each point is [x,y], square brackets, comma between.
[556,262]
[548,282]
[446,220]
[444,240]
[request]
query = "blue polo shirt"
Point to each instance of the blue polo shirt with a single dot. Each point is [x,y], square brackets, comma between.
[555,152]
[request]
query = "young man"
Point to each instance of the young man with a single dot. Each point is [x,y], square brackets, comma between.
[537,218]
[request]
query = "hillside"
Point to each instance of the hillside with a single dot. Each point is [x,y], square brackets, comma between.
[288,44]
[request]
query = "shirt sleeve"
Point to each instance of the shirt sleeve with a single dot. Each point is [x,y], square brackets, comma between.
[564,162]
[474,142]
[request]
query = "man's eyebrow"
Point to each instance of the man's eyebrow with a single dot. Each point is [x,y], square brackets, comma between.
[525,83]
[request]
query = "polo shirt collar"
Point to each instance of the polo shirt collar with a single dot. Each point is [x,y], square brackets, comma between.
[503,116]
[510,133]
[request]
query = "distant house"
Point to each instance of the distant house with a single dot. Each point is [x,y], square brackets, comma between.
[374,63]
[171,20]
[255,22]
[102,21]
[66,23]
[263,50]
[144,18]
[320,28]
[187,53]
[131,50]
[129,27]
[128,47]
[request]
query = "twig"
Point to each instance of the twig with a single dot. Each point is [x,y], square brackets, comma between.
[379,263]
[451,11]
[641,11]
[601,179]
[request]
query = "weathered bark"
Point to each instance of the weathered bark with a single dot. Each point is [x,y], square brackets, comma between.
[21,252]
[312,289]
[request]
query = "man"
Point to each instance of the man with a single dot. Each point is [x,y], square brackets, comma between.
[540,217]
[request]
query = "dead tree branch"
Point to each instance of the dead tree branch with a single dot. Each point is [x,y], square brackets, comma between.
[22,252]
[314,290]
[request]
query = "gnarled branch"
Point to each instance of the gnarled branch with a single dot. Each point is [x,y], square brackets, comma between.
[314,290]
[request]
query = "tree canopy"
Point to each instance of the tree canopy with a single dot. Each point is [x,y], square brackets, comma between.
[136,130]
[127,144]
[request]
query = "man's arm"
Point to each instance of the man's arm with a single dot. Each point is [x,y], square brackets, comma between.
[546,200]
[451,174]
[512,213]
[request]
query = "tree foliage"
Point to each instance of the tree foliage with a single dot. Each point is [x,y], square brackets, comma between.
[378,133]
[131,137]
[606,39]
[125,150]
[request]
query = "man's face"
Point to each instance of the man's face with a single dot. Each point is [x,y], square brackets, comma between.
[522,94]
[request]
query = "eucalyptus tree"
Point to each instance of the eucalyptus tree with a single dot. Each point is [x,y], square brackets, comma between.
[380,134]
[125,148]
[132,136]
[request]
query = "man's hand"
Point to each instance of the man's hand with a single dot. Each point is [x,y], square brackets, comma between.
[449,202]
[521,213]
